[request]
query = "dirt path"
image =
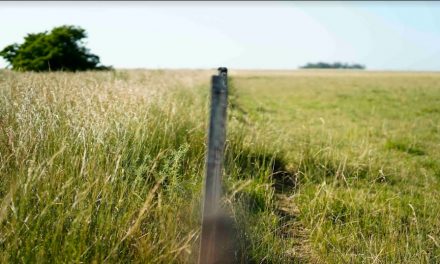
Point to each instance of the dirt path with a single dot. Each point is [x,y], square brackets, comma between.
[293,229]
[285,184]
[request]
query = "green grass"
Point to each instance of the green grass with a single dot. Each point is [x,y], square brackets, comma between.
[321,166]
[365,147]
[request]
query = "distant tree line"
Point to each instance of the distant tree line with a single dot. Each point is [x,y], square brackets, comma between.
[336,65]
[61,49]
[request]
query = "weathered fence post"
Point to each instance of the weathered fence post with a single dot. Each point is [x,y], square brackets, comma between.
[210,243]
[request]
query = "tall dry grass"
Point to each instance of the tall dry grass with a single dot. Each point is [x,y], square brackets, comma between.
[109,167]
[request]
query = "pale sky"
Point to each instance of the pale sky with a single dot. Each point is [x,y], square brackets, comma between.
[240,35]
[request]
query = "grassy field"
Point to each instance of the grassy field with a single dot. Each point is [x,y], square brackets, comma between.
[320,167]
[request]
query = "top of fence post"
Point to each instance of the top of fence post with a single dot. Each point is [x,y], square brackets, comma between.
[222,71]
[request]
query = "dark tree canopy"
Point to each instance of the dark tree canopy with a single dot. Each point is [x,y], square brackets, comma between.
[336,65]
[59,49]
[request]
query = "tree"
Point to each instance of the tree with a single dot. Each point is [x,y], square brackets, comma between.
[59,49]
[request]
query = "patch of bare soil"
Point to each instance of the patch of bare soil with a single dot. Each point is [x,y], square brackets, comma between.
[291,228]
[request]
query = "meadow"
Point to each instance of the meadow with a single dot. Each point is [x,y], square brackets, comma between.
[320,166]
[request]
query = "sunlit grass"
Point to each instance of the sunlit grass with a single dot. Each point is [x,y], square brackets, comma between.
[109,166]
[365,148]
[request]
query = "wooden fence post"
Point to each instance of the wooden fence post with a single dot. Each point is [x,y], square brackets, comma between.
[210,243]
